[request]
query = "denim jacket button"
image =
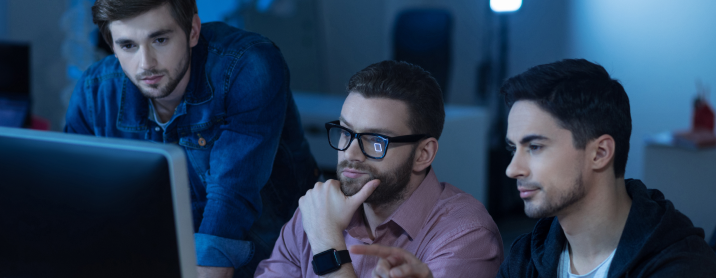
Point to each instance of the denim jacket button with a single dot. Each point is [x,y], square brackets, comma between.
[202,142]
[156,129]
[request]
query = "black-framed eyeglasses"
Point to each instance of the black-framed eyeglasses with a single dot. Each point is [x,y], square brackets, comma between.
[372,145]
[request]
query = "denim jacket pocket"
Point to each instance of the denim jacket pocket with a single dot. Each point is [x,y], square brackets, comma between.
[198,141]
[201,136]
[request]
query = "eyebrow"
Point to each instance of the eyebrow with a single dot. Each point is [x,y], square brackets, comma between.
[151,36]
[160,33]
[370,130]
[527,139]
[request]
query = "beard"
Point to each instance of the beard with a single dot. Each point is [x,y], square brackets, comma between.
[172,80]
[392,183]
[557,203]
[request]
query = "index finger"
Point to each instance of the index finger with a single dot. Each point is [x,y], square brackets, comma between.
[372,250]
[393,255]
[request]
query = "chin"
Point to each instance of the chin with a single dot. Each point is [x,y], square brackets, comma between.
[532,210]
[350,186]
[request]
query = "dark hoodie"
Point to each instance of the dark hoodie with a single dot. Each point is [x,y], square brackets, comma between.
[657,241]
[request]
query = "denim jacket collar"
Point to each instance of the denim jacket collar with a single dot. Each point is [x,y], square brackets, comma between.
[134,107]
[199,89]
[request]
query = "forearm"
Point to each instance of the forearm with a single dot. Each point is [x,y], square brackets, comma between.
[230,215]
[327,240]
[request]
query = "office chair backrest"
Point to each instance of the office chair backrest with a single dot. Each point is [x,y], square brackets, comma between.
[424,37]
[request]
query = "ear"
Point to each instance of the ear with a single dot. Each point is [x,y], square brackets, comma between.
[195,31]
[602,152]
[425,154]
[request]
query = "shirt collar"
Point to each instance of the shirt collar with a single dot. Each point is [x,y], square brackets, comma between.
[199,89]
[411,215]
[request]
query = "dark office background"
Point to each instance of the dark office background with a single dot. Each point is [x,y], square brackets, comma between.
[658,50]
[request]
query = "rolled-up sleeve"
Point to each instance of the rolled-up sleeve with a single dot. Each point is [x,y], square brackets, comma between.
[286,258]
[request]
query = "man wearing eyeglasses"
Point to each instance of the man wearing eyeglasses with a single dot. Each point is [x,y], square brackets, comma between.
[387,193]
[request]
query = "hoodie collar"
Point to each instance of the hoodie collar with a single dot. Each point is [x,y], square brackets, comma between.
[547,243]
[652,225]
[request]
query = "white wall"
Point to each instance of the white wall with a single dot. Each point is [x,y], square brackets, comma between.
[539,34]
[657,49]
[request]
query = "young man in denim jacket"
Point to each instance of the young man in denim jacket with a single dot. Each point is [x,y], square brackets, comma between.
[223,95]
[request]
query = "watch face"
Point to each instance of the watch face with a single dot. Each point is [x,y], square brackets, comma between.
[325,263]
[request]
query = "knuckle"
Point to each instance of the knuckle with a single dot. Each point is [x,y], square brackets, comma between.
[424,270]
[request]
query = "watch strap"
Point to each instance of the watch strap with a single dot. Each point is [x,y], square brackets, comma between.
[343,257]
[329,261]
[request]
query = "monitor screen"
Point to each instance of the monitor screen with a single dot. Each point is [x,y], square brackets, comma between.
[81,206]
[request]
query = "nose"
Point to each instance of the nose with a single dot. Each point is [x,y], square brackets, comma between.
[148,59]
[354,153]
[517,168]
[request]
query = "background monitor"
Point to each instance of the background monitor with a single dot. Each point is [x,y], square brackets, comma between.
[83,206]
[14,84]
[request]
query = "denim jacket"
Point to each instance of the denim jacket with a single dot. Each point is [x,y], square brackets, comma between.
[237,122]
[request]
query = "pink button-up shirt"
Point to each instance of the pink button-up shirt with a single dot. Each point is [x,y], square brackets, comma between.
[440,224]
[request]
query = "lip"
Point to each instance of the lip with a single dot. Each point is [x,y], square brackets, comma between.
[350,173]
[152,79]
[526,193]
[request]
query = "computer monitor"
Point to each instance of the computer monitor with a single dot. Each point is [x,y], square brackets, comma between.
[83,206]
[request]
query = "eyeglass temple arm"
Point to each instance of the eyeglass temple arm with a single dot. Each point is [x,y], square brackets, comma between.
[408,138]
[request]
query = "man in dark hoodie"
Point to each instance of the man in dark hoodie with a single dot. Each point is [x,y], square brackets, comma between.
[568,129]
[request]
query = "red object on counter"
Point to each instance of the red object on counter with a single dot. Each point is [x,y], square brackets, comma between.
[39,123]
[703,116]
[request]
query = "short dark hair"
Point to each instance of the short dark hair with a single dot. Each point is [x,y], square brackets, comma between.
[106,11]
[584,99]
[408,83]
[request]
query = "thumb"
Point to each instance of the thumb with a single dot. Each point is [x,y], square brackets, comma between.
[364,192]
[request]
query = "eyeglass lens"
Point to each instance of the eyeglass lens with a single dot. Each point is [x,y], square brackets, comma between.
[373,146]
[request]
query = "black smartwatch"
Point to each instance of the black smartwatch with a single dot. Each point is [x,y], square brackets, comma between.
[329,261]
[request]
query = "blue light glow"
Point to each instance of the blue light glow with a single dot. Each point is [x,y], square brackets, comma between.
[501,6]
[378,147]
